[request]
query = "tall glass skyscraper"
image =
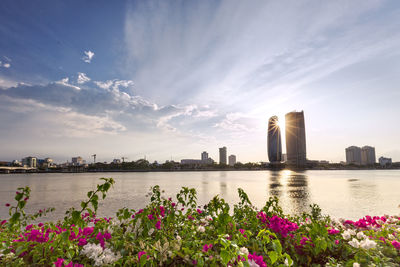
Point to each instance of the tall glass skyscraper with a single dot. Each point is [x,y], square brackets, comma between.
[295,139]
[274,140]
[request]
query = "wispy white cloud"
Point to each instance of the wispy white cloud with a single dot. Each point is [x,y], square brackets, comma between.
[82,78]
[88,56]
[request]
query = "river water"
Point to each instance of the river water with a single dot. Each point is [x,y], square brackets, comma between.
[347,194]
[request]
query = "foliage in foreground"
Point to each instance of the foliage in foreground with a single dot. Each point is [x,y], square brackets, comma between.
[177,232]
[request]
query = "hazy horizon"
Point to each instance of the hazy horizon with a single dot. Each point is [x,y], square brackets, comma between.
[170,79]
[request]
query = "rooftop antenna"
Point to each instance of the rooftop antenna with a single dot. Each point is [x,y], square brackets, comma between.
[94,158]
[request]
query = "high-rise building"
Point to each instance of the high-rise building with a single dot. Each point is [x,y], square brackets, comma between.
[296,139]
[274,140]
[353,155]
[232,160]
[204,156]
[222,155]
[385,162]
[77,160]
[29,162]
[368,155]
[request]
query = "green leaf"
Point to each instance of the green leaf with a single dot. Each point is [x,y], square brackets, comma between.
[273,256]
[225,256]
[276,245]
[143,260]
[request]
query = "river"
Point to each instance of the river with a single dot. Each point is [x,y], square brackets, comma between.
[346,194]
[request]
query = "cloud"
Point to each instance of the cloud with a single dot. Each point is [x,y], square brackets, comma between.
[88,56]
[112,100]
[5,65]
[212,53]
[82,78]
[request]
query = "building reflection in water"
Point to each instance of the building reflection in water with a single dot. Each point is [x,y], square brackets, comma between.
[292,190]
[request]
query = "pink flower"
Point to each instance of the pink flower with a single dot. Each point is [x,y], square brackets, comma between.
[82,242]
[158,225]
[333,231]
[3,222]
[207,247]
[396,244]
[140,254]
[257,259]
[336,242]
[199,211]
[133,216]
[59,262]
[40,224]
[107,235]
[150,216]
[190,217]
[25,199]
[173,204]
[7,204]
[140,211]
[162,211]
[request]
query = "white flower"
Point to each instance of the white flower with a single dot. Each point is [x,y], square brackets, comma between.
[354,243]
[252,263]
[390,236]
[287,262]
[178,238]
[361,235]
[201,229]
[356,264]
[209,218]
[244,251]
[346,235]
[352,232]
[98,255]
[151,231]
[367,244]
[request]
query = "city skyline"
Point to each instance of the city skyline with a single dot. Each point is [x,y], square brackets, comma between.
[148,78]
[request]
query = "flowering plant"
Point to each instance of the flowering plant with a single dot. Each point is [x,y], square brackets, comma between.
[179,232]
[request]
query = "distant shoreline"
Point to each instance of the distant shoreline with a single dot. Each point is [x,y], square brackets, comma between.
[198,170]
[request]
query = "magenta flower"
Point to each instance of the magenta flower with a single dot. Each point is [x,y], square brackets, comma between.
[107,235]
[3,222]
[7,204]
[162,211]
[396,244]
[158,225]
[40,224]
[140,254]
[199,211]
[82,242]
[25,199]
[173,204]
[59,262]
[150,216]
[333,231]
[207,247]
[336,241]
[257,259]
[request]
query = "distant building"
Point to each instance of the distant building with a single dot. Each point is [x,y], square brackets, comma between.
[204,156]
[222,155]
[368,155]
[274,140]
[385,162]
[232,160]
[30,162]
[353,155]
[116,161]
[77,161]
[296,139]
[191,162]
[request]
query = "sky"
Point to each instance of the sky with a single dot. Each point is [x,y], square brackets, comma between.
[169,79]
